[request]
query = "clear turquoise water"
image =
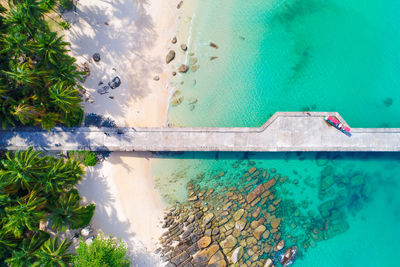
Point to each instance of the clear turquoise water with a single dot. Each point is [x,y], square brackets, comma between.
[293,55]
[299,55]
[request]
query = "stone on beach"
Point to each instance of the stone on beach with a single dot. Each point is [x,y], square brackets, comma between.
[96,57]
[174,40]
[183,47]
[170,56]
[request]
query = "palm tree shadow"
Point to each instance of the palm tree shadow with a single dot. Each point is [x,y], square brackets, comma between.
[94,188]
[120,31]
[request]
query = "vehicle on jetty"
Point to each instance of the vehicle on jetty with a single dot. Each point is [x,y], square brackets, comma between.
[289,256]
[337,124]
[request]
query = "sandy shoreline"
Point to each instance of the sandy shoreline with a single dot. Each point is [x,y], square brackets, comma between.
[133,38]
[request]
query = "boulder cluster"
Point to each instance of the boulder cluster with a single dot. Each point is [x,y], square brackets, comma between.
[234,226]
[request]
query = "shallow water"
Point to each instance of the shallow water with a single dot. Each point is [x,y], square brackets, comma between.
[297,55]
[371,207]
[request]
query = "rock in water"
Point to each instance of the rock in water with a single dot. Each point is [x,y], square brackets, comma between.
[208,217]
[326,182]
[269,263]
[228,244]
[238,214]
[275,223]
[183,68]
[96,57]
[204,242]
[259,231]
[170,56]
[237,255]
[357,180]
[280,245]
[213,45]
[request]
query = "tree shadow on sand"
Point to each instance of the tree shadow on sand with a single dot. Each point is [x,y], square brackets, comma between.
[120,31]
[94,188]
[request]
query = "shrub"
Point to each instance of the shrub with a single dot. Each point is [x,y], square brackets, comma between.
[102,252]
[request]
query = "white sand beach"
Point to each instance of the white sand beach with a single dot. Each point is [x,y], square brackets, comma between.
[133,38]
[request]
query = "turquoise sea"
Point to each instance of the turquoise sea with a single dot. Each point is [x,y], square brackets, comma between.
[299,55]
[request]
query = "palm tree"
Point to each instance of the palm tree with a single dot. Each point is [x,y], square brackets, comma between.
[22,169]
[53,254]
[67,212]
[60,176]
[14,45]
[24,255]
[23,77]
[66,72]
[65,97]
[26,16]
[7,243]
[50,47]
[26,113]
[26,215]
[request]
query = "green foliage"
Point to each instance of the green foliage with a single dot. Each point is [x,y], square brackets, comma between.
[38,79]
[65,25]
[88,158]
[35,188]
[66,4]
[102,252]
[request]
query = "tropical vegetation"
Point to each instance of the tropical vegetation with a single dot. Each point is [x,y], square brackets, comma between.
[35,189]
[38,79]
[102,252]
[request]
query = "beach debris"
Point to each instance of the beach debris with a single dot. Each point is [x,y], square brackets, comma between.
[179,5]
[174,40]
[183,47]
[156,78]
[213,45]
[170,56]
[116,82]
[195,68]
[103,90]
[183,68]
[96,57]
[213,58]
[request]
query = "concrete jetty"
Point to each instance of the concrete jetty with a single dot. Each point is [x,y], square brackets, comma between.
[284,131]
